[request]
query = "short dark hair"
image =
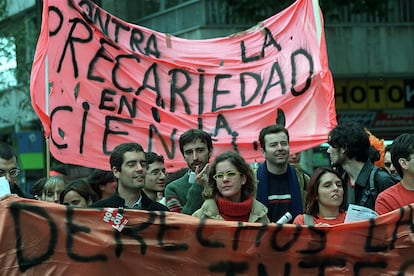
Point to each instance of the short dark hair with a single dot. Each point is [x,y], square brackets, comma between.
[374,154]
[402,147]
[272,129]
[6,151]
[99,177]
[192,135]
[117,155]
[311,203]
[152,157]
[387,148]
[37,188]
[248,189]
[81,187]
[353,138]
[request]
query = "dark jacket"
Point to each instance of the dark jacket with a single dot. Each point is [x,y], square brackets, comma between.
[115,201]
[297,186]
[16,190]
[382,180]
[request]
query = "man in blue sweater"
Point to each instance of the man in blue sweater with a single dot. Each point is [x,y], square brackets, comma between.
[281,187]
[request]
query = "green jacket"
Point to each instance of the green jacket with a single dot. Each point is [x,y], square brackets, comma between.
[184,197]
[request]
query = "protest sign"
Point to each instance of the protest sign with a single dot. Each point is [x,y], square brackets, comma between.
[41,238]
[111,82]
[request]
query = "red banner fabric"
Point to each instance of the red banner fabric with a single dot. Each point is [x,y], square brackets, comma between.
[41,238]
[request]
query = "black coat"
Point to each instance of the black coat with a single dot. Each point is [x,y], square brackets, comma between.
[16,190]
[382,181]
[115,201]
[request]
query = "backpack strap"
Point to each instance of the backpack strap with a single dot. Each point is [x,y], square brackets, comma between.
[307,219]
[303,180]
[372,190]
[372,178]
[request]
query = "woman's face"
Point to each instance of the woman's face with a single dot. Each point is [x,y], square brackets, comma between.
[229,181]
[330,190]
[51,194]
[74,199]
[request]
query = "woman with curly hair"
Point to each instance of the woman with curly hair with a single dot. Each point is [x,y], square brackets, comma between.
[325,204]
[230,190]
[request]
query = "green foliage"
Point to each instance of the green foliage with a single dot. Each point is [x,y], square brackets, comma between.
[17,42]
[7,62]
[3,8]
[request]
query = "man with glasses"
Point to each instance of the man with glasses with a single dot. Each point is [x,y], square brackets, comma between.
[10,169]
[402,193]
[155,177]
[281,187]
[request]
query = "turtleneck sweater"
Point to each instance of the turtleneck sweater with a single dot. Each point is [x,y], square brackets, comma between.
[234,211]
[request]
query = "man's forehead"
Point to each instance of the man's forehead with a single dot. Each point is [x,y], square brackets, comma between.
[276,137]
[156,164]
[195,144]
[8,164]
[134,155]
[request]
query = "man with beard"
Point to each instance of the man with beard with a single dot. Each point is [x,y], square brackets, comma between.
[349,150]
[184,195]
[129,165]
[281,187]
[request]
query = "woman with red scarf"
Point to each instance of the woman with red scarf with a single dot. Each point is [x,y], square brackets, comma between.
[229,193]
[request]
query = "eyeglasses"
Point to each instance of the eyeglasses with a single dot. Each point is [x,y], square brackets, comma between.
[229,174]
[13,172]
[157,172]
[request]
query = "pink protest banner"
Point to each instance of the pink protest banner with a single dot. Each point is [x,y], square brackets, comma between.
[41,238]
[112,82]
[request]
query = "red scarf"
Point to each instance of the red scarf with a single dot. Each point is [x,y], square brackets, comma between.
[235,211]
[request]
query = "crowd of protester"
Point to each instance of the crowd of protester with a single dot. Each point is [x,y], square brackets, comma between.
[362,172]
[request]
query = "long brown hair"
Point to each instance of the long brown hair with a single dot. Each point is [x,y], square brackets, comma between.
[311,203]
